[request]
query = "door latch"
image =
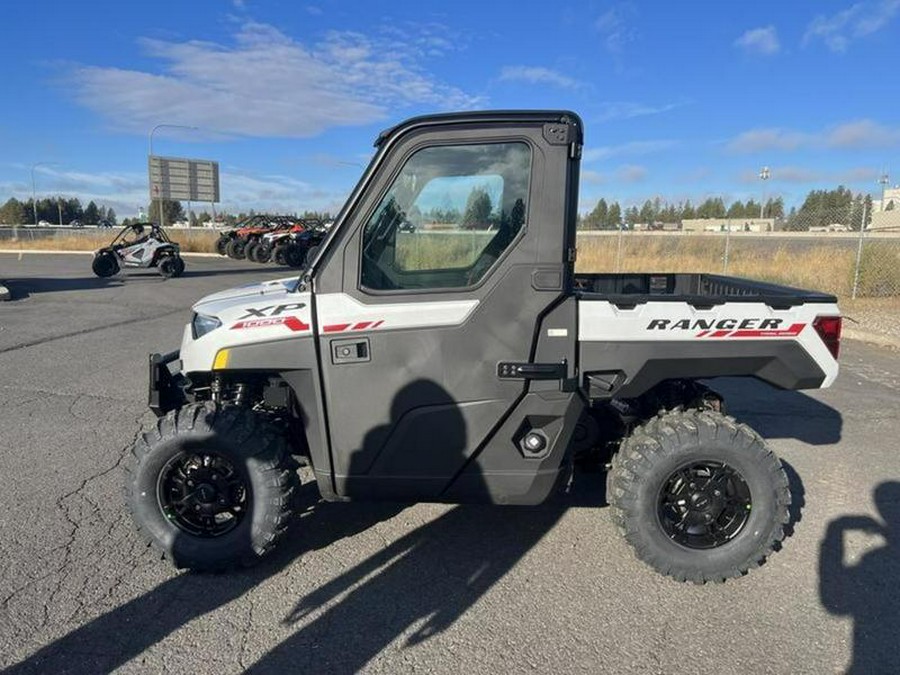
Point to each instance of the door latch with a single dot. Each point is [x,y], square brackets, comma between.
[350,351]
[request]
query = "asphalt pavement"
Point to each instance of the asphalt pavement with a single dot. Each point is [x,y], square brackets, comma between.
[424,588]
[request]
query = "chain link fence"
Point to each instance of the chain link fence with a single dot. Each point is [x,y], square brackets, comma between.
[826,251]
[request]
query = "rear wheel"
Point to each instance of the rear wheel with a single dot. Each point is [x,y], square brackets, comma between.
[211,488]
[235,248]
[105,264]
[250,251]
[294,255]
[221,245]
[699,496]
[168,267]
[278,254]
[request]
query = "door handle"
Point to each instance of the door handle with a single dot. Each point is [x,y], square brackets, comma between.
[350,351]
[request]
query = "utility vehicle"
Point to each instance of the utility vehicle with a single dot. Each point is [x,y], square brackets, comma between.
[455,365]
[139,245]
[235,242]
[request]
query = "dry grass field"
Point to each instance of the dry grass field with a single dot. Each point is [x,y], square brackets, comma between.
[822,265]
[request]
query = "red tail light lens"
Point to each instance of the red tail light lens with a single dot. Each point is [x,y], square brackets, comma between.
[829,329]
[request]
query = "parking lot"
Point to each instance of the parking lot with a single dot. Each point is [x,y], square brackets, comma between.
[392,588]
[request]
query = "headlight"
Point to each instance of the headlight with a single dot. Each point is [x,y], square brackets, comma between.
[201,325]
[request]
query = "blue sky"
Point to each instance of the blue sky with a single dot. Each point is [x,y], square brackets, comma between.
[680,99]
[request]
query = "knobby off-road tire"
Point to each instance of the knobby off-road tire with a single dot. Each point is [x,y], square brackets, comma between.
[171,266]
[105,265]
[294,255]
[221,245]
[235,248]
[250,251]
[659,474]
[263,253]
[205,438]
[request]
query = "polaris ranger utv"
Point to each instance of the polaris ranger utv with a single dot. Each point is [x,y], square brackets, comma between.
[451,364]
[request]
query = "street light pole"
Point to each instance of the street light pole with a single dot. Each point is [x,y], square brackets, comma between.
[763,176]
[33,197]
[162,217]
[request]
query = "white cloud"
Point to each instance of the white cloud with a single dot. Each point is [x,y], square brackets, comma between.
[630,149]
[855,135]
[538,75]
[857,21]
[810,176]
[631,173]
[756,140]
[268,84]
[127,191]
[614,26]
[594,177]
[761,41]
[623,110]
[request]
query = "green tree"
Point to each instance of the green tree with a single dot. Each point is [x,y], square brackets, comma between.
[478,210]
[687,211]
[91,213]
[111,215]
[596,219]
[632,216]
[614,216]
[736,210]
[647,214]
[13,212]
[172,210]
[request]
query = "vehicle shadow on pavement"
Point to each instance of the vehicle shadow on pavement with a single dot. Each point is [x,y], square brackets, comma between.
[418,585]
[116,637]
[866,587]
[23,287]
[775,413]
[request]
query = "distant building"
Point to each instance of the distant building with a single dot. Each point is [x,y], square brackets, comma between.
[726,224]
[890,202]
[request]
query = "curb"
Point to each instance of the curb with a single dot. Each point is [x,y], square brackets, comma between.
[4,292]
[43,251]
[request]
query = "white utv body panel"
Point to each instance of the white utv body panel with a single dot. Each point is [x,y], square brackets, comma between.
[274,311]
[667,322]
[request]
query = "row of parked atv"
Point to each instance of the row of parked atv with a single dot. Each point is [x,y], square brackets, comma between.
[279,239]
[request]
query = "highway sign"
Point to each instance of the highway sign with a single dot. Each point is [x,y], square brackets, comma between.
[176,178]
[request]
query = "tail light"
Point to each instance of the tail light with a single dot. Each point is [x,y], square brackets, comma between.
[829,329]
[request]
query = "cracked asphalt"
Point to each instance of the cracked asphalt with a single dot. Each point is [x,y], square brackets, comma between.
[390,588]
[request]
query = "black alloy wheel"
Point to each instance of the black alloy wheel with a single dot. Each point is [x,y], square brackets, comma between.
[704,505]
[203,494]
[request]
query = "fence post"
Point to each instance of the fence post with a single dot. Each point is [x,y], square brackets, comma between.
[859,248]
[727,244]
[619,251]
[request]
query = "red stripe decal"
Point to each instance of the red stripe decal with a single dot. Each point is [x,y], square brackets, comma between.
[376,324]
[335,327]
[292,322]
[362,325]
[701,333]
[720,333]
[793,331]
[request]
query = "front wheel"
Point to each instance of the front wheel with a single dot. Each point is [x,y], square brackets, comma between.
[221,245]
[211,488]
[105,264]
[699,496]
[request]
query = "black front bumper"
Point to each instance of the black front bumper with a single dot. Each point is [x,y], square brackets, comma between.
[165,390]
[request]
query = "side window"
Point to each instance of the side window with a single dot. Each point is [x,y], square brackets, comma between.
[449,215]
